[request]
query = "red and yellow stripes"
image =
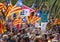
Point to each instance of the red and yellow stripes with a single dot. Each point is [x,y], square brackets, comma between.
[2,27]
[28,18]
[34,18]
[17,21]
[7,9]
[14,10]
[1,6]
[57,21]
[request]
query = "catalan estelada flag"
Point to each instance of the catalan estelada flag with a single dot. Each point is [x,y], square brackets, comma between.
[24,20]
[8,7]
[28,18]
[31,16]
[2,27]
[16,8]
[17,21]
[36,17]
[1,6]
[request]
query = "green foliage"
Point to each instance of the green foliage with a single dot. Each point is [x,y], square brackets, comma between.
[1,0]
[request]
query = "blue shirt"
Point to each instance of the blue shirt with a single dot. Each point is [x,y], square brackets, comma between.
[44,16]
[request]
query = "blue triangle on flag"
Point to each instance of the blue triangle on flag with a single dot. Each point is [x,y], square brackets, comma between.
[14,15]
[19,3]
[24,19]
[8,2]
[38,14]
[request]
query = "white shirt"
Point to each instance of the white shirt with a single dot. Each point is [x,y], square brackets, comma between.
[36,24]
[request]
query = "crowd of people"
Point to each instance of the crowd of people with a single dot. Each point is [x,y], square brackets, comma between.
[30,33]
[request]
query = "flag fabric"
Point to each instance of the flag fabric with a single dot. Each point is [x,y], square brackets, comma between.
[1,6]
[8,2]
[27,11]
[29,18]
[36,17]
[17,21]
[14,15]
[19,7]
[18,26]
[36,14]
[57,21]
[26,7]
[24,20]
[16,8]
[2,27]
[7,7]
[19,3]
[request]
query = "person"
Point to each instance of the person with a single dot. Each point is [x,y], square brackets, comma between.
[44,16]
[37,24]
[38,39]
[55,39]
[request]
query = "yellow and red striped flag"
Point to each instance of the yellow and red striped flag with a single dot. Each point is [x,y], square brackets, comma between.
[2,27]
[16,8]
[1,6]
[17,21]
[8,7]
[36,17]
[29,18]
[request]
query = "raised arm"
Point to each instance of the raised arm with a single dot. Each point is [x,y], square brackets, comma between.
[41,5]
[47,6]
